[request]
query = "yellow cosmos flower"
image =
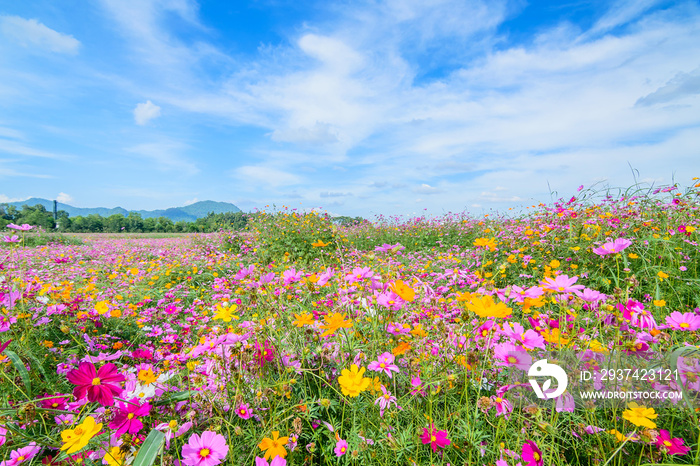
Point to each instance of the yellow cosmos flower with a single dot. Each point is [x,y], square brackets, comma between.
[404,291]
[225,313]
[334,322]
[76,439]
[114,457]
[352,382]
[486,307]
[640,415]
[320,244]
[147,376]
[485,242]
[274,446]
[303,319]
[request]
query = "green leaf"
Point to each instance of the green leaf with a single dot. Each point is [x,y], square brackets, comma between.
[23,373]
[150,449]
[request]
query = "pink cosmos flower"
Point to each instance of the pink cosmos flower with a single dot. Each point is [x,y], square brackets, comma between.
[22,455]
[127,418]
[276,461]
[385,401]
[359,274]
[672,446]
[436,438]
[384,363]
[417,385]
[59,402]
[688,321]
[291,275]
[613,247]
[11,239]
[565,402]
[508,354]
[97,384]
[23,227]
[531,455]
[244,411]
[503,406]
[341,447]
[561,284]
[205,450]
[3,435]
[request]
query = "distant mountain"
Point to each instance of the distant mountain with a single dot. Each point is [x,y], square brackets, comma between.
[189,213]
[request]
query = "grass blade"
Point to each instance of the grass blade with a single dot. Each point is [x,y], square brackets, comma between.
[23,373]
[150,448]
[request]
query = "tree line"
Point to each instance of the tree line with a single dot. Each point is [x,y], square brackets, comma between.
[39,216]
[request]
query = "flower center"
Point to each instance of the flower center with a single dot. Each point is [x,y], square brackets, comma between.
[667,443]
[96,381]
[512,359]
[21,458]
[684,325]
[204,452]
[499,400]
[382,365]
[535,456]
[130,416]
[433,438]
[172,424]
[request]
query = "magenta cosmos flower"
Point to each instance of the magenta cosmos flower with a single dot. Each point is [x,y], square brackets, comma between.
[613,247]
[341,447]
[23,227]
[436,438]
[205,450]
[686,321]
[98,385]
[384,363]
[531,455]
[672,446]
[127,419]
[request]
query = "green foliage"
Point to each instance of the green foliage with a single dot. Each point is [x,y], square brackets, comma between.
[290,236]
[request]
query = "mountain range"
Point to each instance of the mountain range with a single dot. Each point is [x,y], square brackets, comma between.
[188,213]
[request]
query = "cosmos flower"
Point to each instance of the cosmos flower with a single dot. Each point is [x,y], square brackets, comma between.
[671,446]
[205,450]
[384,363]
[127,418]
[98,385]
[352,382]
[341,447]
[531,454]
[687,321]
[436,438]
[613,247]
[274,447]
[76,439]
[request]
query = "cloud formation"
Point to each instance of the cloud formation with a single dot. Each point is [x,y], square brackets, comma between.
[32,33]
[145,112]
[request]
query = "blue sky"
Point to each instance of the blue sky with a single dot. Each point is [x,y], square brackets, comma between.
[361,107]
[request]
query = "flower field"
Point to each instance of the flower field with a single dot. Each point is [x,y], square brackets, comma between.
[386,343]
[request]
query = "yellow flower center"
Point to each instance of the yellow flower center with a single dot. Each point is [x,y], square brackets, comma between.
[204,452]
[382,365]
[432,438]
[243,411]
[96,381]
[512,359]
[130,416]
[172,424]
[535,456]
[685,325]
[21,458]
[667,443]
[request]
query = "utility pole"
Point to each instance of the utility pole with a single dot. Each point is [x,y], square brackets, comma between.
[55,214]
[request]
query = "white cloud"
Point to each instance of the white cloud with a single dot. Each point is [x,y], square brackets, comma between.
[4,199]
[64,198]
[191,201]
[426,189]
[31,33]
[145,112]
